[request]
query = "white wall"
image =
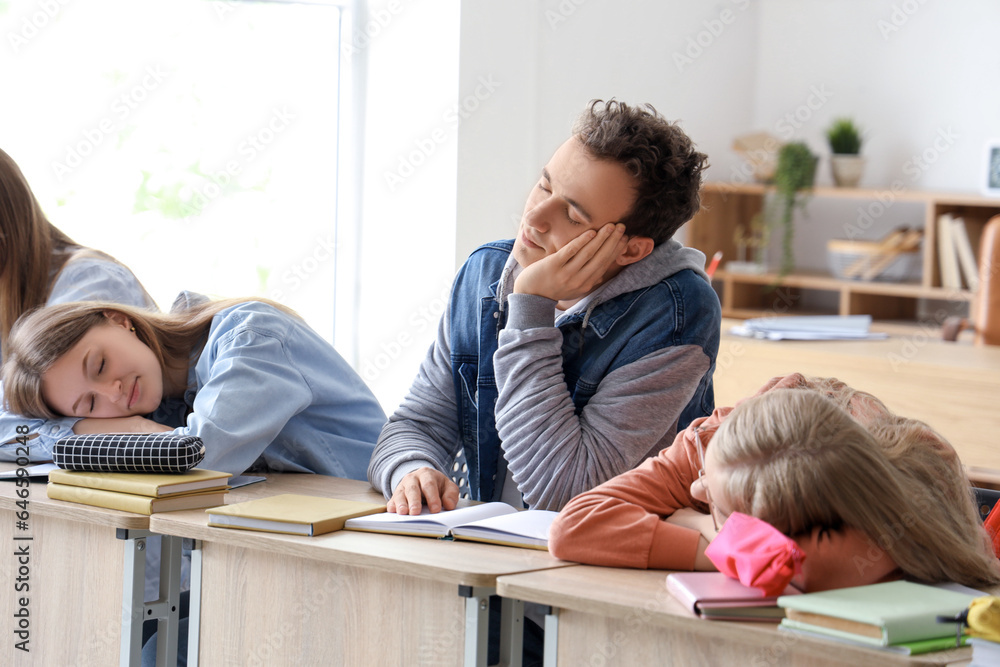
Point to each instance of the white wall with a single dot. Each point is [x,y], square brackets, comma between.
[569,52]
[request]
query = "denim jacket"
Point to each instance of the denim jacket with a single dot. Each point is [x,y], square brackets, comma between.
[566,403]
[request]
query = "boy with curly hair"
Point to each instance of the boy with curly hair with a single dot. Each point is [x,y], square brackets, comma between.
[574,351]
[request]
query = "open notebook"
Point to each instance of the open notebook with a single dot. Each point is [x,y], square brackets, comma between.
[498,523]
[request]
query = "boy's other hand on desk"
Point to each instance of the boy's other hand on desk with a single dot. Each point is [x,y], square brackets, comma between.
[423,486]
[577,268]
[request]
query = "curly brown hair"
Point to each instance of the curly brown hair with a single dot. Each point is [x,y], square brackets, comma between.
[660,156]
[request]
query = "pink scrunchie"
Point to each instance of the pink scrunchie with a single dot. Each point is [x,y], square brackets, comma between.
[757,554]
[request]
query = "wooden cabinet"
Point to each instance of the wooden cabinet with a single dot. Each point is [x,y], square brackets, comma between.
[728,205]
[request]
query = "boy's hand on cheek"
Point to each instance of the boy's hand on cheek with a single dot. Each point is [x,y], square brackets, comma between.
[577,268]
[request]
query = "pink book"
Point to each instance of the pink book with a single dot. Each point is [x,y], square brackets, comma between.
[715,596]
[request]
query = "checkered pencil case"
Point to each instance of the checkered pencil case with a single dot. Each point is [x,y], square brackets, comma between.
[129,452]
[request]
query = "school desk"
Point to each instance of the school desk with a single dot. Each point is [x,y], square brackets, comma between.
[613,616]
[85,573]
[954,387]
[344,598]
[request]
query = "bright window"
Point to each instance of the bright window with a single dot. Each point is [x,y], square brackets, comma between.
[197,141]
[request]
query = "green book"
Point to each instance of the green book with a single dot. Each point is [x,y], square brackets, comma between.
[886,614]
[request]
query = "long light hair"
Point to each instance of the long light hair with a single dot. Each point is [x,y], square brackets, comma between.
[798,461]
[32,250]
[43,336]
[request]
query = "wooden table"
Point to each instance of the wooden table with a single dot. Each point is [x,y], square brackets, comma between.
[85,573]
[344,598]
[954,387]
[613,616]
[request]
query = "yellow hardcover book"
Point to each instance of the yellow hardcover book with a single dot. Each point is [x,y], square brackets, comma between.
[130,502]
[154,485]
[291,513]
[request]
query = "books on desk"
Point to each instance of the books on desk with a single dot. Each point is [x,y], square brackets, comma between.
[715,596]
[291,513]
[140,493]
[808,327]
[899,615]
[497,523]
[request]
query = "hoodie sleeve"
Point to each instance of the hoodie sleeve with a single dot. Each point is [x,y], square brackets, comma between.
[426,418]
[554,454]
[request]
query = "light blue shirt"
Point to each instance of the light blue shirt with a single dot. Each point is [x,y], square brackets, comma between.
[268,392]
[85,279]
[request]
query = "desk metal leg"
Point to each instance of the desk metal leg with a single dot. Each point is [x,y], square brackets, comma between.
[511,632]
[194,613]
[135,610]
[166,610]
[133,586]
[477,623]
[550,657]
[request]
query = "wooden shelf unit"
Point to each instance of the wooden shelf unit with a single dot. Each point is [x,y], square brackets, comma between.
[727,205]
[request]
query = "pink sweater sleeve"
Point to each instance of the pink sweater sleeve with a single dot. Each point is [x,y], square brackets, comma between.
[620,523]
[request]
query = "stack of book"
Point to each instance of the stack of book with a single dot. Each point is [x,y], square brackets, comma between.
[140,493]
[715,596]
[897,616]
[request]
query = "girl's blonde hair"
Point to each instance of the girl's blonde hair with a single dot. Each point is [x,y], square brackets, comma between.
[798,461]
[32,250]
[43,336]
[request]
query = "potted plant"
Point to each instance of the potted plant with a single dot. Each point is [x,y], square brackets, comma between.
[846,161]
[795,172]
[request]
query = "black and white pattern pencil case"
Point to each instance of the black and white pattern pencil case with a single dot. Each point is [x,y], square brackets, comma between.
[129,452]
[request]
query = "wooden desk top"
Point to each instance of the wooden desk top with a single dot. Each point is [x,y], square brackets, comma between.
[447,561]
[641,596]
[41,505]
[954,387]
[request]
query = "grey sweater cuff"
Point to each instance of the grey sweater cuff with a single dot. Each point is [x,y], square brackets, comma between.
[530,311]
[402,470]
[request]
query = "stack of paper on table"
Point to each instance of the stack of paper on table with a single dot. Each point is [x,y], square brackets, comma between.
[715,596]
[899,615]
[808,327]
[140,493]
[498,523]
[291,513]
